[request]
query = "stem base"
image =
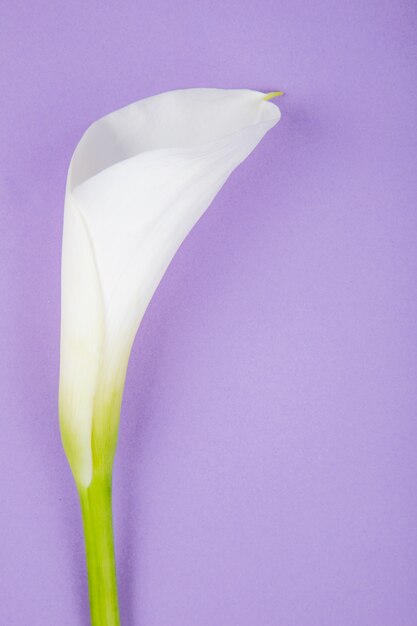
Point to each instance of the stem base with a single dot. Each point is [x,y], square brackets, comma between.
[96,507]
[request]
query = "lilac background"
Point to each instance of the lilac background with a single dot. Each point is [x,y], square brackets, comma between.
[267,462]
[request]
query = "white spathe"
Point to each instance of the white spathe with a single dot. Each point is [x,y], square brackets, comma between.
[139,180]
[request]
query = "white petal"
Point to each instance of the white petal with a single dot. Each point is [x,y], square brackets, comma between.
[164,160]
[139,180]
[82,339]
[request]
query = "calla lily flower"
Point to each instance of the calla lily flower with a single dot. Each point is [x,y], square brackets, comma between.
[138,181]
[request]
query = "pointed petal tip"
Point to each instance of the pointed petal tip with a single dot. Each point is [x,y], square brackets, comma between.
[273,94]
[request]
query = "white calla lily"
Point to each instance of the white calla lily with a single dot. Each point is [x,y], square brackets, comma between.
[139,180]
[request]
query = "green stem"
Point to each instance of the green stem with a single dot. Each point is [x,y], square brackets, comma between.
[98,530]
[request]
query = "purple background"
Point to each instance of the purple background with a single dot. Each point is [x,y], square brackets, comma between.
[267,462]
